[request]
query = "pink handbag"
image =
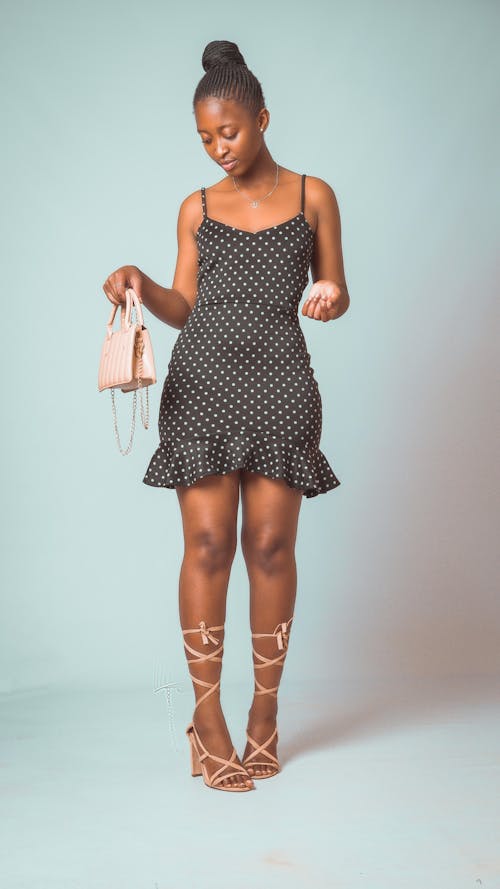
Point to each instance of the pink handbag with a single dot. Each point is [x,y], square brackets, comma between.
[127,361]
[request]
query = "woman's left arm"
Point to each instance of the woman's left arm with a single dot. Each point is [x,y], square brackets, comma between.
[328,297]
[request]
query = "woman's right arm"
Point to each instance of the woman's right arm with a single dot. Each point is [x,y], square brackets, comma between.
[171,305]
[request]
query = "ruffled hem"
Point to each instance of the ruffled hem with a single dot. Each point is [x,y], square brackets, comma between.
[184,462]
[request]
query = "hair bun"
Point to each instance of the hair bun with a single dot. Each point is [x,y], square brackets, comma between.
[221,52]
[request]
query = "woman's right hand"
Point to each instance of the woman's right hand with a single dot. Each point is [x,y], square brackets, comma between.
[117,283]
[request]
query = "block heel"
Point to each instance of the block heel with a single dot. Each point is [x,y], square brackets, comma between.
[195,759]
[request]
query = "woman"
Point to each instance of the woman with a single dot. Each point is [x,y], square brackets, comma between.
[240,406]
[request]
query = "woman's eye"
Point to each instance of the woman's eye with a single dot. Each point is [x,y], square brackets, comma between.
[207,141]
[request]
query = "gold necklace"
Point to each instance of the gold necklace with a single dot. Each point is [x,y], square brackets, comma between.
[256,203]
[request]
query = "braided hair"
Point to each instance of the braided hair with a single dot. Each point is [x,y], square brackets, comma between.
[227,77]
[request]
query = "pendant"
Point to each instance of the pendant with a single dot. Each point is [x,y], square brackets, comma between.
[254,204]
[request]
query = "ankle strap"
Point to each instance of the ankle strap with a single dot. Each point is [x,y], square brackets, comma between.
[206,633]
[281,635]
[280,632]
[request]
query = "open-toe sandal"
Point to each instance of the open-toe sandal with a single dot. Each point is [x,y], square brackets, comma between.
[199,753]
[260,755]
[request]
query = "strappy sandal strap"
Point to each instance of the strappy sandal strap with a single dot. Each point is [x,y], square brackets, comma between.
[262,749]
[206,632]
[207,635]
[281,634]
[218,775]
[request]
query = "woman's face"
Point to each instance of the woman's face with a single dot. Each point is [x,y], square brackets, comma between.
[229,133]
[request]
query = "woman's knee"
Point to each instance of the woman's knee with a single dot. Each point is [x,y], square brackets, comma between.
[211,549]
[268,551]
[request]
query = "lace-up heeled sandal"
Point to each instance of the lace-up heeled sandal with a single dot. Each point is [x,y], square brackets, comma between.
[199,752]
[260,755]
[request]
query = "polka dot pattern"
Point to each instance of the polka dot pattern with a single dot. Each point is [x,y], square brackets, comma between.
[240,392]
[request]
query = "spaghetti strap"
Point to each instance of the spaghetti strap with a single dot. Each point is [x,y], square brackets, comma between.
[302,193]
[204,202]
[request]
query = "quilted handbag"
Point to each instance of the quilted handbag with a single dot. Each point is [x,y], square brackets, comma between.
[127,361]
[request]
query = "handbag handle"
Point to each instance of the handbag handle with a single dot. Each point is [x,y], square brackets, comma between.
[131,299]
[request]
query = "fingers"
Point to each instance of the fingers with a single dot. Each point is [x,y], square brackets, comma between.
[114,287]
[108,290]
[326,308]
[117,283]
[318,307]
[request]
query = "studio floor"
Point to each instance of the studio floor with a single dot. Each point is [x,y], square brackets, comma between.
[383,786]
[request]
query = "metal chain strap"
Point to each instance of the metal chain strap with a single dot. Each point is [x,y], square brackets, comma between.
[117,435]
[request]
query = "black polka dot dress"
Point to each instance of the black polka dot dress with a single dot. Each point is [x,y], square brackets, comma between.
[240,392]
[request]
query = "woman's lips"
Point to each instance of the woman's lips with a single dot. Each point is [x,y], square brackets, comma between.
[229,165]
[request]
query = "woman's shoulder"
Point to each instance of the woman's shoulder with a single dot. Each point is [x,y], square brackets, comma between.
[191,206]
[191,200]
[190,213]
[312,182]
[320,195]
[318,187]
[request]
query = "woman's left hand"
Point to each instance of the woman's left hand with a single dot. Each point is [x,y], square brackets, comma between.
[322,302]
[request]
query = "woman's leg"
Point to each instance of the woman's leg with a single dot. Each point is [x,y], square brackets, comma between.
[269,529]
[209,510]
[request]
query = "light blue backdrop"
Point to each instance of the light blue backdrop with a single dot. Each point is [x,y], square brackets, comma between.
[393,104]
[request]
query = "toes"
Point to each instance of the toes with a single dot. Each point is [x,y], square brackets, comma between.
[237,781]
[247,781]
[262,770]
